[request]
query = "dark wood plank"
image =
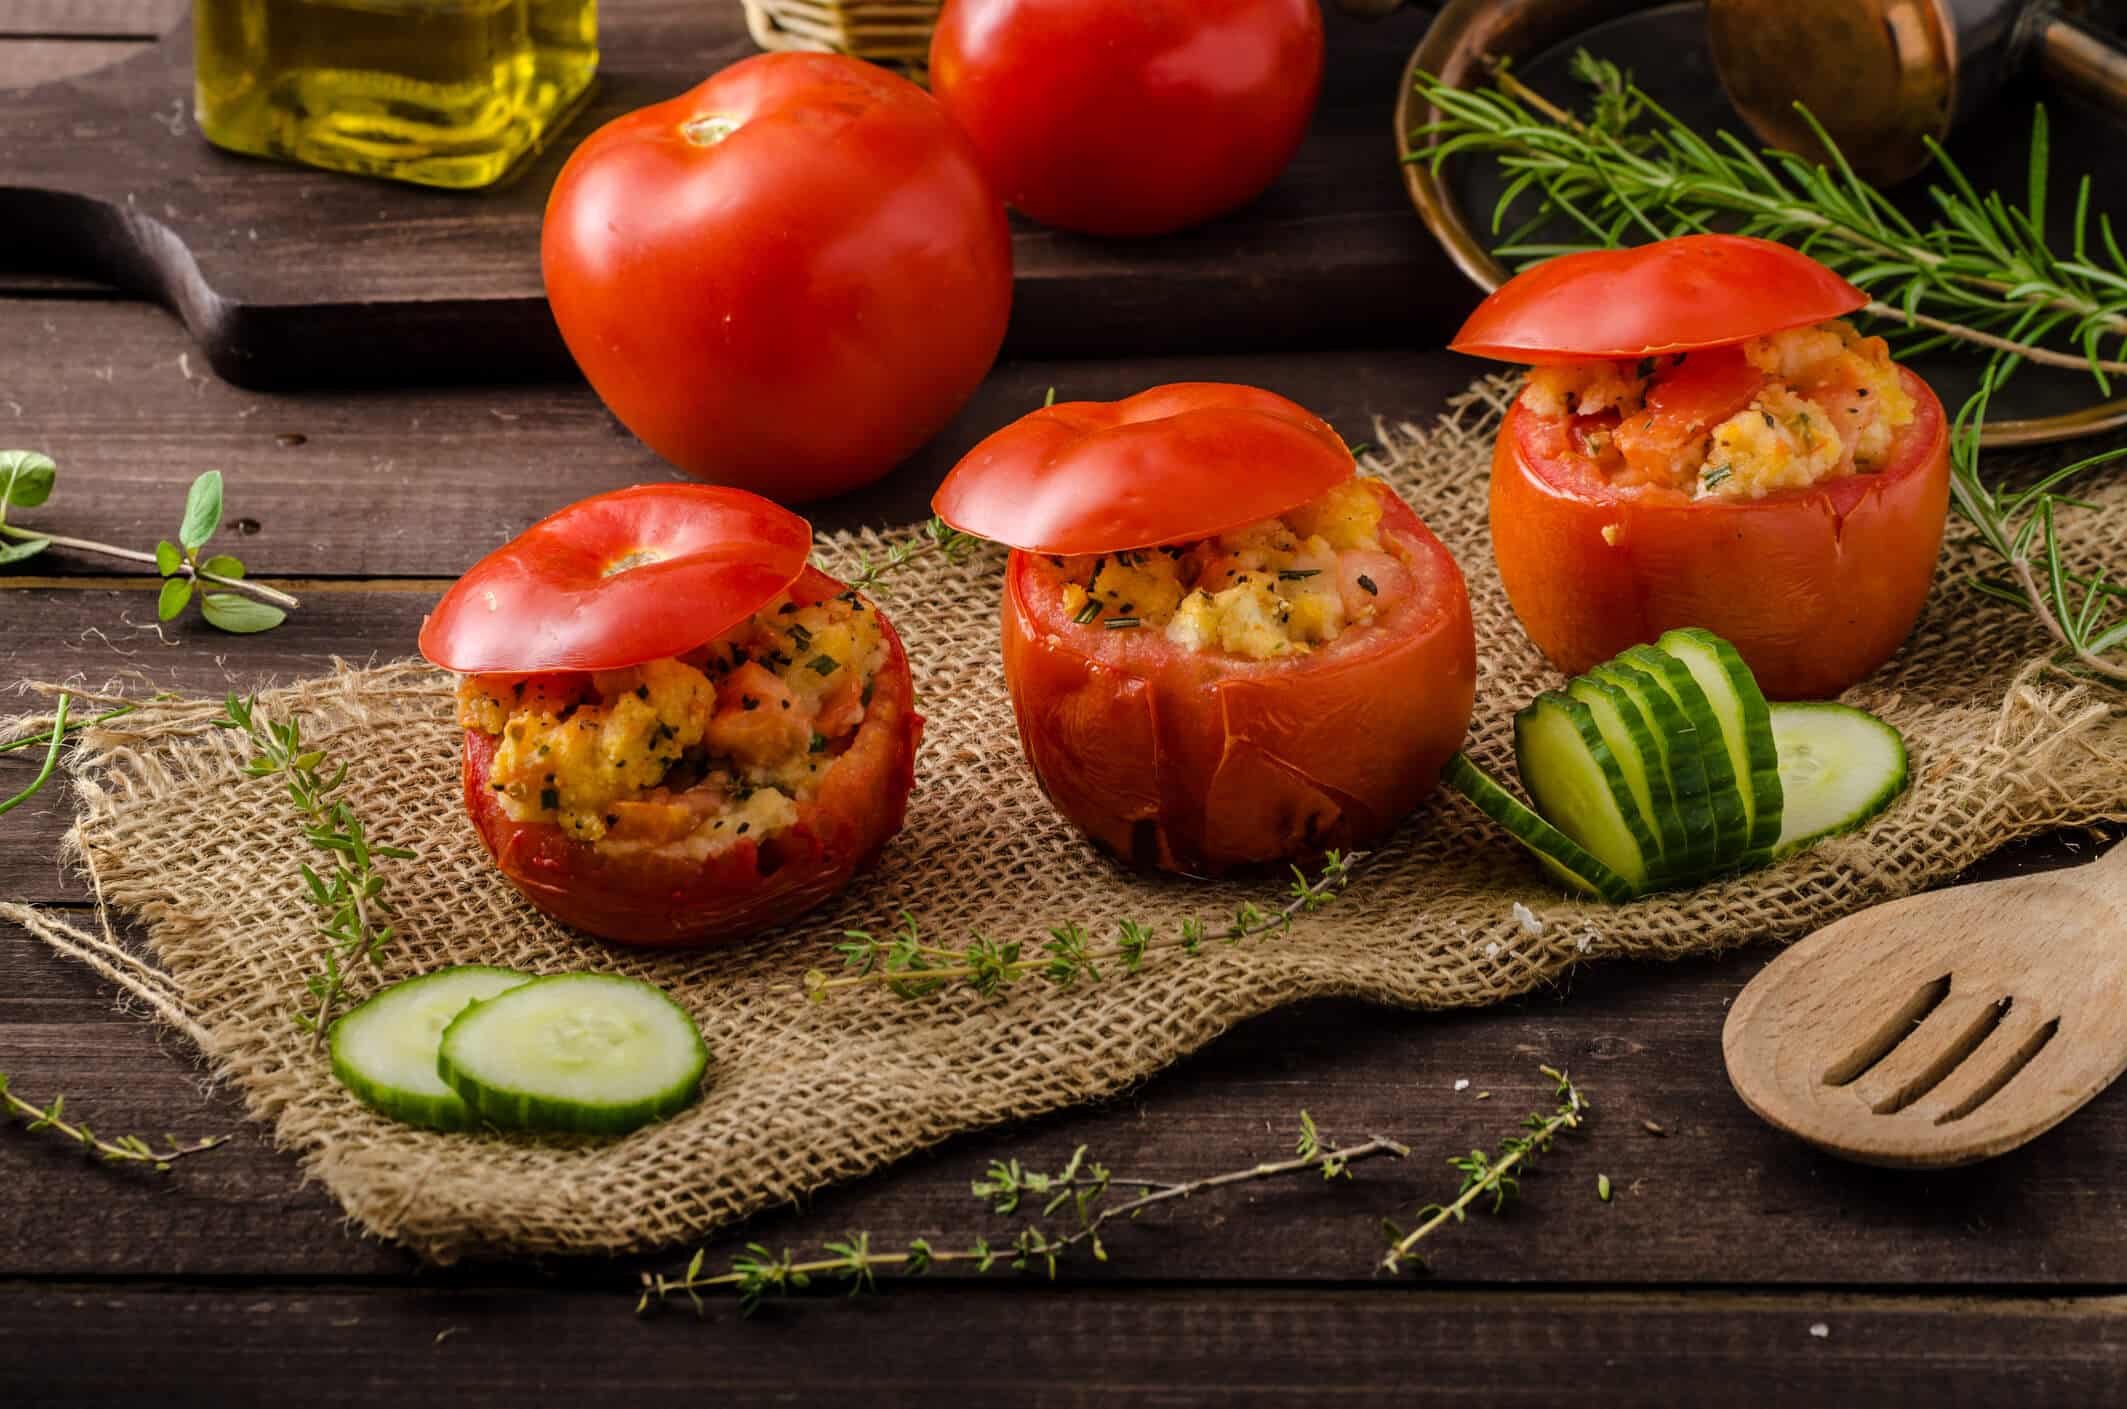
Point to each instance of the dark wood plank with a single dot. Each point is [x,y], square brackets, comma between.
[126,19]
[1166,1347]
[1717,1198]
[27,62]
[290,276]
[115,393]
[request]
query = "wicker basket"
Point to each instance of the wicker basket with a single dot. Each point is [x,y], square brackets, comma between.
[884,31]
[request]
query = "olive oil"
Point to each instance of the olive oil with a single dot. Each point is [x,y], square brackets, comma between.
[440,92]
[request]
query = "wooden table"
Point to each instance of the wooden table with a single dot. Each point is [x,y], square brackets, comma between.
[1732,1264]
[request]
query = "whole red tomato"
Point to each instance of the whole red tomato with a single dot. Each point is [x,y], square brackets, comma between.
[786,279]
[1200,761]
[637,575]
[1129,117]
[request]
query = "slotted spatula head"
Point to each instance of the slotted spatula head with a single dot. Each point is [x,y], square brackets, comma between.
[1943,1028]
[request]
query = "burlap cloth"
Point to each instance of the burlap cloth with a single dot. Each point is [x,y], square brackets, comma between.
[800,1094]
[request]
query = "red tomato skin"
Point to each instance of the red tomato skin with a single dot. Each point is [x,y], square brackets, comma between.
[1202,763]
[1670,295]
[661,902]
[797,307]
[1101,476]
[1816,587]
[1129,117]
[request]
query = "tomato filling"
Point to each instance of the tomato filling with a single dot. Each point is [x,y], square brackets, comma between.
[1273,588]
[697,752]
[1740,422]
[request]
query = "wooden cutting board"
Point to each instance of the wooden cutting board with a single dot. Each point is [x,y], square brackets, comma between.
[287,276]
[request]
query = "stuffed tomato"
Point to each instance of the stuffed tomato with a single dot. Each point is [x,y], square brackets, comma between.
[1701,441]
[676,730]
[1222,646]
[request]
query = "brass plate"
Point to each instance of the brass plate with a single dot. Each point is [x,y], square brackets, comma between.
[1468,33]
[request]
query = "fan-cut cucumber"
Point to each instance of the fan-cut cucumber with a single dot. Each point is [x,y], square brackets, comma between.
[385,1050]
[1578,787]
[1731,825]
[1746,725]
[1639,759]
[1839,767]
[595,1053]
[1678,745]
[1563,857]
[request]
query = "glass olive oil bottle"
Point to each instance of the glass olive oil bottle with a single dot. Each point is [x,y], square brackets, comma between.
[440,92]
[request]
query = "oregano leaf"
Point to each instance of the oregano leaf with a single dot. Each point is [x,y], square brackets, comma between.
[27,548]
[27,476]
[222,565]
[168,559]
[240,615]
[203,511]
[176,593]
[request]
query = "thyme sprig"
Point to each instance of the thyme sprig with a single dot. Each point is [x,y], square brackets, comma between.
[123,1149]
[26,481]
[910,967]
[1491,1177]
[1983,272]
[349,897]
[936,536]
[1083,1188]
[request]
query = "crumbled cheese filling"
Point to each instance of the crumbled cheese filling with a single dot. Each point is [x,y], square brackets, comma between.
[702,750]
[1827,402]
[1273,588]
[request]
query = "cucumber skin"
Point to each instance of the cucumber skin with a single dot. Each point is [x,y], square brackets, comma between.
[1575,716]
[1672,846]
[512,1109]
[1876,804]
[1566,859]
[1761,790]
[1679,754]
[447,1112]
[1723,792]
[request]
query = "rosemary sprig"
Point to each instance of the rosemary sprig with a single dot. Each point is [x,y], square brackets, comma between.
[936,536]
[26,480]
[1985,273]
[125,1149]
[1491,1176]
[912,968]
[1082,1186]
[349,898]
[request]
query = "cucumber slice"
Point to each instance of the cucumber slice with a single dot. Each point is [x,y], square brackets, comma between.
[1577,786]
[1731,825]
[385,1050]
[1559,853]
[1746,725]
[1839,766]
[1678,744]
[595,1053]
[1639,759]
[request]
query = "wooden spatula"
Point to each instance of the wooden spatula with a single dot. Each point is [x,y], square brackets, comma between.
[1943,1028]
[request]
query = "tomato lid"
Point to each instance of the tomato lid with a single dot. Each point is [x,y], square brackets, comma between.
[1669,296]
[1168,465]
[618,579]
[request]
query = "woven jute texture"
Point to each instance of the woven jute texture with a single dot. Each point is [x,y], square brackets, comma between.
[799,1093]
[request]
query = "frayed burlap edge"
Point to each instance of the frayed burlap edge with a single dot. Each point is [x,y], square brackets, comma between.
[804,1094]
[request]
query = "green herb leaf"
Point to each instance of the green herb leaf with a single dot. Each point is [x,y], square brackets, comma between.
[26,548]
[168,558]
[222,565]
[28,477]
[176,595]
[240,615]
[203,511]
